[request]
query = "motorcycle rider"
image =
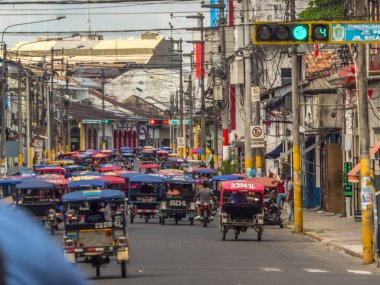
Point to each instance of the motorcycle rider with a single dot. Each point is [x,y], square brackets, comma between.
[204,195]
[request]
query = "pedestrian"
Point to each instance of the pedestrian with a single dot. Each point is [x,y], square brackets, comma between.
[211,163]
[281,195]
[289,189]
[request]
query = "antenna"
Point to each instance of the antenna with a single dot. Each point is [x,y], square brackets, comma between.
[88,18]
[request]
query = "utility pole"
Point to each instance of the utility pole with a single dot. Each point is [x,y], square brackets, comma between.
[104,144]
[28,156]
[366,185]
[258,160]
[181,133]
[19,113]
[3,108]
[191,106]
[49,115]
[203,103]
[298,215]
[247,92]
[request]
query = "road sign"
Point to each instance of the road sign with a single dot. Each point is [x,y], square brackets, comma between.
[255,93]
[91,121]
[257,132]
[347,186]
[356,32]
[257,143]
[180,142]
[177,122]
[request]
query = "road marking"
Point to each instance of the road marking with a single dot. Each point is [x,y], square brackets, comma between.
[314,270]
[360,272]
[270,269]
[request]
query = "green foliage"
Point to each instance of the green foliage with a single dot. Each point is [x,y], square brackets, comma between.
[323,10]
[229,166]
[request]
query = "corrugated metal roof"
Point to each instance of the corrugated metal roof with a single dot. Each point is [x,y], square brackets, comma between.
[86,82]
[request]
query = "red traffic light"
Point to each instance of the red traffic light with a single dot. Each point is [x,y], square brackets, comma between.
[165,122]
[153,122]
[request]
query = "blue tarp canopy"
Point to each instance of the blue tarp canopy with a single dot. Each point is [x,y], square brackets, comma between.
[128,154]
[73,166]
[227,177]
[13,181]
[274,154]
[91,195]
[35,184]
[86,173]
[44,165]
[204,170]
[179,179]
[87,183]
[129,175]
[19,170]
[146,178]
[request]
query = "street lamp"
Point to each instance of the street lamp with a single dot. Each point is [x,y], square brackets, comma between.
[4,85]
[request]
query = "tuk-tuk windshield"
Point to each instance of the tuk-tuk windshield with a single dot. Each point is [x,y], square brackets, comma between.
[145,189]
[40,195]
[181,190]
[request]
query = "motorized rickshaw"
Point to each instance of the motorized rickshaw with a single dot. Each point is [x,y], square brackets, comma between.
[145,193]
[119,172]
[190,164]
[95,228]
[51,170]
[86,184]
[85,175]
[126,177]
[203,173]
[74,168]
[148,155]
[64,162]
[8,186]
[171,171]
[149,168]
[216,180]
[178,200]
[162,155]
[114,182]
[128,159]
[109,168]
[242,209]
[175,162]
[39,198]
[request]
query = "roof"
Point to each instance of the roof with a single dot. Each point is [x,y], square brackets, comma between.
[87,183]
[106,194]
[179,180]
[129,175]
[80,111]
[35,184]
[227,177]
[146,178]
[112,179]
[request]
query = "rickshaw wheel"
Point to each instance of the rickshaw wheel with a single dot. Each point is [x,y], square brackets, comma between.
[123,266]
[97,271]
[259,233]
[191,221]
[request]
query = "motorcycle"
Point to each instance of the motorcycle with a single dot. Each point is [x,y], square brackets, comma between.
[272,213]
[205,216]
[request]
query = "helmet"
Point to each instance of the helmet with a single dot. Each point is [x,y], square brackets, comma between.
[198,181]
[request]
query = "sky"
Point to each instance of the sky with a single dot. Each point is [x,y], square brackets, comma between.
[113,16]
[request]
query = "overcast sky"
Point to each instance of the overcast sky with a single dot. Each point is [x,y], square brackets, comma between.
[102,17]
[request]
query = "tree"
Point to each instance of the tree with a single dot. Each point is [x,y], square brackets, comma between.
[324,10]
[229,166]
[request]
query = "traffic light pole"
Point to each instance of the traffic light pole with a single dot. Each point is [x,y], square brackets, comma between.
[104,144]
[182,149]
[298,215]
[247,93]
[20,117]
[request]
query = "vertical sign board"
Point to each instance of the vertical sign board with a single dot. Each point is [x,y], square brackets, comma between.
[347,186]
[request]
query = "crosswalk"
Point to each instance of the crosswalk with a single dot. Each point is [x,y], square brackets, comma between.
[316,270]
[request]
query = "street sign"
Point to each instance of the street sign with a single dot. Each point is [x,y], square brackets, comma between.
[257,143]
[257,132]
[177,122]
[91,121]
[255,93]
[347,186]
[365,32]
[180,142]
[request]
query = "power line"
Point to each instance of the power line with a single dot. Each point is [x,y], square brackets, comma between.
[80,2]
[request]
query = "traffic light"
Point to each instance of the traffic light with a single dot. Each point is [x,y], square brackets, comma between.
[290,32]
[165,122]
[105,121]
[153,122]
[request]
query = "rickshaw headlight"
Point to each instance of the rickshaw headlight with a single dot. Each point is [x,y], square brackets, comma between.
[163,205]
[122,241]
[192,206]
[69,243]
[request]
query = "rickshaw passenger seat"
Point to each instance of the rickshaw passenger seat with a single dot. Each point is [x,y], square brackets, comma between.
[241,210]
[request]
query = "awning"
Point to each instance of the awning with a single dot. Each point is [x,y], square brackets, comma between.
[353,174]
[274,154]
[284,154]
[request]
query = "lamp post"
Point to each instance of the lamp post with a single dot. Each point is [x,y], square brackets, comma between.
[4,86]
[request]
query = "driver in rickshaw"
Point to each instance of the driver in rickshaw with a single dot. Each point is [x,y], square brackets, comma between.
[95,215]
[238,198]
[172,191]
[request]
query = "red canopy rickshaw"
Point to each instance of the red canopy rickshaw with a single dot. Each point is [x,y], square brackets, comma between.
[241,203]
[109,168]
[149,168]
[51,170]
[116,183]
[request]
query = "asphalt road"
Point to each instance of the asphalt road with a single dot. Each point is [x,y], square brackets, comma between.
[184,254]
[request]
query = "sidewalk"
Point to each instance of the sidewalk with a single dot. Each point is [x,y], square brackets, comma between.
[341,233]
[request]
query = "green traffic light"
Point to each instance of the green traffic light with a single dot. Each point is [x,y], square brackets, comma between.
[323,31]
[300,33]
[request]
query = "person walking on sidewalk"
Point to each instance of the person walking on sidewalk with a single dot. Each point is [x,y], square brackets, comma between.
[281,191]
[289,189]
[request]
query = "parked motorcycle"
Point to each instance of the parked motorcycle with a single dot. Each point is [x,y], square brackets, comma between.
[272,213]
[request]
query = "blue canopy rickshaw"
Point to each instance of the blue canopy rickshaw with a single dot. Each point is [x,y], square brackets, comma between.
[86,184]
[145,193]
[7,185]
[39,198]
[95,228]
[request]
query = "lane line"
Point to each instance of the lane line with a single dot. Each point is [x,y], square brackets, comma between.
[271,269]
[360,272]
[315,270]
